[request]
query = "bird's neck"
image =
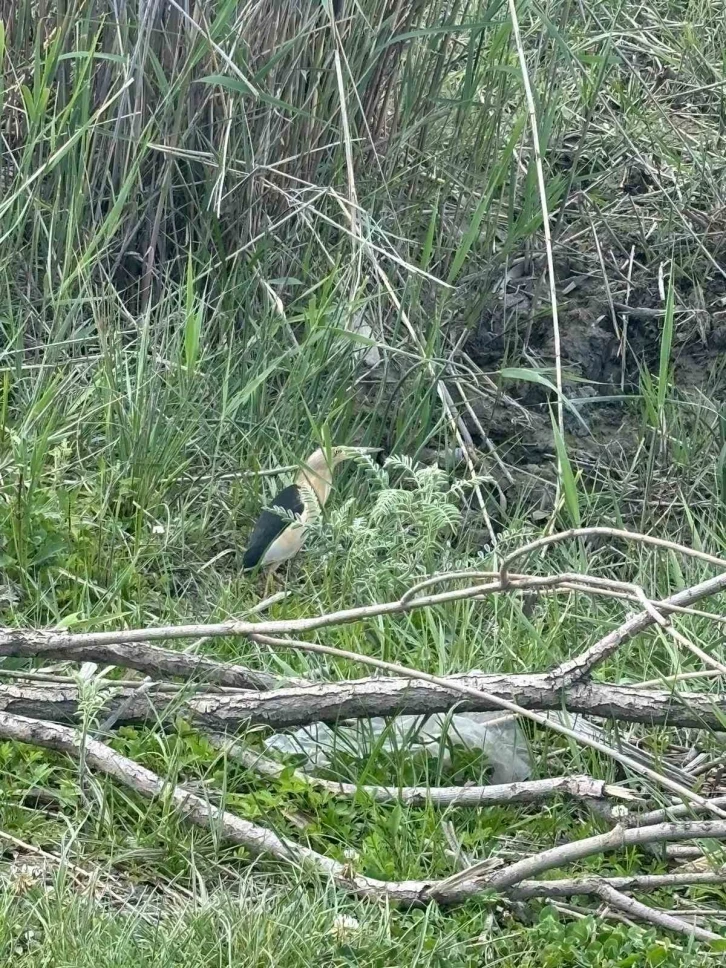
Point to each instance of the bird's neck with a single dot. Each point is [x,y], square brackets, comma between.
[319,481]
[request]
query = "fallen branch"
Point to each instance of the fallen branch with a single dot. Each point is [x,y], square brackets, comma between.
[672,812]
[194,808]
[526,791]
[574,886]
[139,655]
[548,722]
[331,702]
[604,532]
[63,644]
[577,850]
[661,919]
[137,705]
[582,665]
[259,841]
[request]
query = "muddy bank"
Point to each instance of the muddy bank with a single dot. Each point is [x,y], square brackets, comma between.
[611,338]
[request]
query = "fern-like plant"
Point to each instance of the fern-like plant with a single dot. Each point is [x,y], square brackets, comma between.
[401,535]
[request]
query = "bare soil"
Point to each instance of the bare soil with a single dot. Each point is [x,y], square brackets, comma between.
[611,333]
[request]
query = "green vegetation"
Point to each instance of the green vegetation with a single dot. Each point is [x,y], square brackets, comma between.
[211,216]
[263,926]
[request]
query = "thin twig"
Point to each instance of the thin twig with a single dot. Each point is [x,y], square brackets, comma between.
[667,628]
[560,536]
[592,583]
[582,665]
[708,660]
[675,678]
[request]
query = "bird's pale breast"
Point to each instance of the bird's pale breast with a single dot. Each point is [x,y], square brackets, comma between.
[286,545]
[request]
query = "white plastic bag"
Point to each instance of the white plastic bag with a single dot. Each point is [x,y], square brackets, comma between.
[497,735]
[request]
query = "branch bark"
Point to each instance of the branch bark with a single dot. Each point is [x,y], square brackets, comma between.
[150,659]
[258,841]
[369,697]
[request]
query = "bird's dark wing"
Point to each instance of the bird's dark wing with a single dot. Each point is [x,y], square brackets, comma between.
[271,525]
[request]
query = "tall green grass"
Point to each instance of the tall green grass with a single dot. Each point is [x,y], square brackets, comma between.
[174,170]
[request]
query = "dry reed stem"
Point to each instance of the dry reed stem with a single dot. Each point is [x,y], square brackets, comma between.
[542,189]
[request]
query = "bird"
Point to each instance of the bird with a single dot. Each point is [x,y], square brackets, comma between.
[280,533]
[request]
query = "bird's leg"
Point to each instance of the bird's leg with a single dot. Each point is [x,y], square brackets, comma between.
[270,581]
[290,569]
[274,575]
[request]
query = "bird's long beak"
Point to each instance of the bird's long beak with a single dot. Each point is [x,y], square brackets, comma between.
[357,451]
[347,453]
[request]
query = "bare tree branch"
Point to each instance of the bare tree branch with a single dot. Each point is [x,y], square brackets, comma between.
[194,808]
[661,919]
[526,791]
[582,665]
[604,532]
[198,810]
[671,812]
[610,889]
[61,644]
[332,702]
[573,886]
[616,839]
[549,722]
[150,659]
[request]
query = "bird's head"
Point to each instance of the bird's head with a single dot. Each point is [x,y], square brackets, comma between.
[340,454]
[317,471]
[322,459]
